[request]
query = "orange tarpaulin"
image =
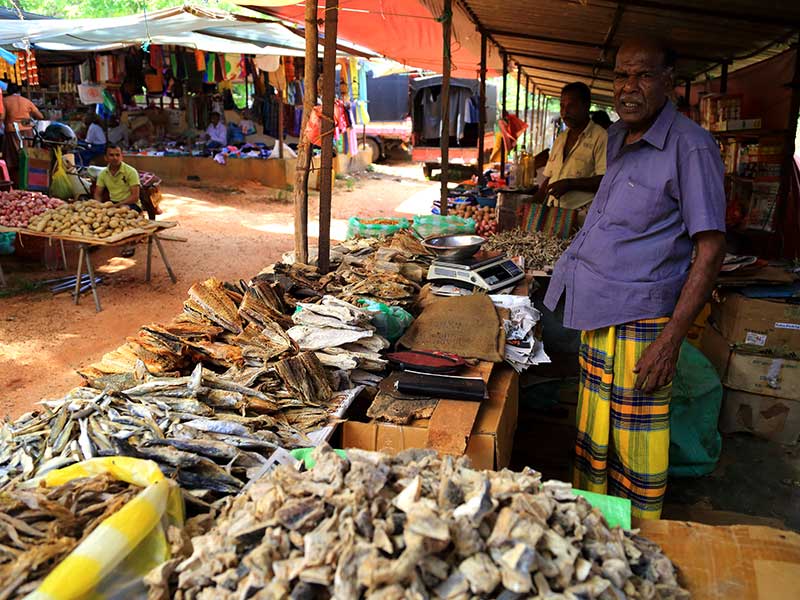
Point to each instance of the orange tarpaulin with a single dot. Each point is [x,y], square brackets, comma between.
[404,30]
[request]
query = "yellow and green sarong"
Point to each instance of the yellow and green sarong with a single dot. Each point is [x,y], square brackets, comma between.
[623,433]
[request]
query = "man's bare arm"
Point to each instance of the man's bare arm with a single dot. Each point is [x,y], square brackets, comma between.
[134,197]
[656,367]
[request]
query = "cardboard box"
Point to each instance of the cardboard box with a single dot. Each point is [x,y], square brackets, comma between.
[492,438]
[758,322]
[776,419]
[722,563]
[750,371]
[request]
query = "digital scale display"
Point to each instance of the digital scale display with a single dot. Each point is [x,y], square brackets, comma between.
[491,273]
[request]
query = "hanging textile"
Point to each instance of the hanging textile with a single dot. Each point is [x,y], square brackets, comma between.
[288,65]
[211,67]
[233,67]
[200,60]
[267,63]
[277,79]
[156,57]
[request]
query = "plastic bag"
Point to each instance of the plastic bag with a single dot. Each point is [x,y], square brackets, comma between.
[7,243]
[60,183]
[114,558]
[694,440]
[391,321]
[427,225]
[378,227]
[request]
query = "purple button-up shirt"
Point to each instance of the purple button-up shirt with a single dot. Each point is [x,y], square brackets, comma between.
[632,256]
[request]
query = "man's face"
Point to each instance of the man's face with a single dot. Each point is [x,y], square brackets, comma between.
[574,111]
[641,83]
[114,157]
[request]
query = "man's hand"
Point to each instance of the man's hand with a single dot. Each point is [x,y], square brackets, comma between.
[656,366]
[559,188]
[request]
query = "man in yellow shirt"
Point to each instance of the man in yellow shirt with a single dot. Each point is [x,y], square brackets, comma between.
[578,158]
[120,179]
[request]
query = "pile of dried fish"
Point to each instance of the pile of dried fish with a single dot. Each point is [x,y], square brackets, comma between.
[538,249]
[339,334]
[387,270]
[41,526]
[416,526]
[224,325]
[212,432]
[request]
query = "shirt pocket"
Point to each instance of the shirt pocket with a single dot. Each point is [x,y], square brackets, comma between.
[636,206]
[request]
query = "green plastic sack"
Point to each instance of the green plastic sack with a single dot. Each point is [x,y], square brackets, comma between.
[357,227]
[391,321]
[428,225]
[60,184]
[695,443]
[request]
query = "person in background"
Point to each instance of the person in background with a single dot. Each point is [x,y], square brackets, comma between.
[95,140]
[16,110]
[577,161]
[118,133]
[629,283]
[121,181]
[601,118]
[216,132]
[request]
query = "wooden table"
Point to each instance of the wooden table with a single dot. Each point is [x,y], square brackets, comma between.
[85,244]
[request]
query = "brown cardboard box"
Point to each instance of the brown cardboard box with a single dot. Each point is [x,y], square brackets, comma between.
[751,371]
[492,438]
[759,322]
[776,419]
[722,563]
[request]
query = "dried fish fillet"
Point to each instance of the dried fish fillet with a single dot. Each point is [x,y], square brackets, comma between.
[415,525]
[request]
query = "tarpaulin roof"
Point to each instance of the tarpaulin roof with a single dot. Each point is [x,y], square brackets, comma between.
[203,29]
[560,41]
[407,31]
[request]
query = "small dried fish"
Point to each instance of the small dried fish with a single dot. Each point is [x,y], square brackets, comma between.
[538,249]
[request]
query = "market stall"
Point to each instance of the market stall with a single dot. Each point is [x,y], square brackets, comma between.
[156,80]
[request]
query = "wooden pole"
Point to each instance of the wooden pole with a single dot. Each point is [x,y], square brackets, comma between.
[533,118]
[304,147]
[544,122]
[519,82]
[525,115]
[326,168]
[281,125]
[482,108]
[505,114]
[444,139]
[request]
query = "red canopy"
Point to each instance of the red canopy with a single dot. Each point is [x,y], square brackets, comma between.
[404,30]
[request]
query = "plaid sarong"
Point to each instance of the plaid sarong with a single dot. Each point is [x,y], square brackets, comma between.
[623,434]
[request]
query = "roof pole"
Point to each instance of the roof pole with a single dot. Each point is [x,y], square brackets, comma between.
[544,122]
[505,114]
[326,167]
[444,138]
[281,125]
[482,108]
[525,115]
[519,82]
[304,147]
[723,79]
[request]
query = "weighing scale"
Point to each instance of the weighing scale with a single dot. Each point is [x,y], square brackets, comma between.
[492,272]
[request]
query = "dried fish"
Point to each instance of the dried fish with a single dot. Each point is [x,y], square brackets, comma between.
[40,526]
[416,526]
[538,249]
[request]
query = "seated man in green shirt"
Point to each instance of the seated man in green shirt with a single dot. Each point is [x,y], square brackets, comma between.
[121,180]
[122,183]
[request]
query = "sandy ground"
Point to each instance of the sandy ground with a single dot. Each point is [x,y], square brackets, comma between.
[232,234]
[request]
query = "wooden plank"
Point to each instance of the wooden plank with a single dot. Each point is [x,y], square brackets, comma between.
[326,158]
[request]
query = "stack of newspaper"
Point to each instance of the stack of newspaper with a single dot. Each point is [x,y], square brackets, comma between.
[522,348]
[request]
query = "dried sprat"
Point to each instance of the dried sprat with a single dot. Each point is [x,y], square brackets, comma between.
[41,526]
[538,249]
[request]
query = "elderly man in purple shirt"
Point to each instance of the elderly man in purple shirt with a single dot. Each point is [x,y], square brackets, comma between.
[629,283]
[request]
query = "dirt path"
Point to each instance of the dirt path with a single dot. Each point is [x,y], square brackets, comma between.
[232,234]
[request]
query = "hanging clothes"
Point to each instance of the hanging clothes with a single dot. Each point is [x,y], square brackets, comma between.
[156,57]
[200,60]
[267,63]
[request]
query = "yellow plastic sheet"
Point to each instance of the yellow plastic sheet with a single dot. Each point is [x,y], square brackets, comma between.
[114,558]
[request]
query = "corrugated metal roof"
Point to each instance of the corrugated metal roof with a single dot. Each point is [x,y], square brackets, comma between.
[558,41]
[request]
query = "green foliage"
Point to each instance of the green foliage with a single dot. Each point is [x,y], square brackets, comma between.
[89,9]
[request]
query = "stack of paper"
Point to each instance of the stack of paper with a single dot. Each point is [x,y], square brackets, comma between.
[522,348]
